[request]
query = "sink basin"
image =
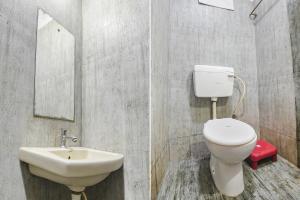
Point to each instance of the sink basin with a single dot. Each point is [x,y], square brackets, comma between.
[75,167]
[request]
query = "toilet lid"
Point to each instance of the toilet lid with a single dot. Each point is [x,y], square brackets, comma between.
[228,131]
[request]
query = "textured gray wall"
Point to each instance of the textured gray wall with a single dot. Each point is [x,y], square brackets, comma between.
[160,15]
[116,91]
[202,34]
[18,127]
[294,22]
[275,76]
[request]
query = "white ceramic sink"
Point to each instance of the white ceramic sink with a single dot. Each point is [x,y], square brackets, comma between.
[75,167]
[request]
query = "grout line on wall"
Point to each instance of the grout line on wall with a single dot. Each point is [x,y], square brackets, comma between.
[150,103]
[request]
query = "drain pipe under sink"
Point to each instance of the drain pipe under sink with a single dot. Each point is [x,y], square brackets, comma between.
[78,195]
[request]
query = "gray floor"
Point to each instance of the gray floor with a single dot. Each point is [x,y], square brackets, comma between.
[191,180]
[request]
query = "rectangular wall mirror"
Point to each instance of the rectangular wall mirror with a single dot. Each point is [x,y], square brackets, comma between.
[55,70]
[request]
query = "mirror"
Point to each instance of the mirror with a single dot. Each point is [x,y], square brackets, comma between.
[55,70]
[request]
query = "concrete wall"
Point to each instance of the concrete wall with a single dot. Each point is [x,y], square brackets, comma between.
[116,92]
[160,14]
[294,24]
[202,34]
[275,76]
[18,127]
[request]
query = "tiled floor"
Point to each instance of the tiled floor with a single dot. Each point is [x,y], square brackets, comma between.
[191,180]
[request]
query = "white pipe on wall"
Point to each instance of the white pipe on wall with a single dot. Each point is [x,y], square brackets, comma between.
[214,107]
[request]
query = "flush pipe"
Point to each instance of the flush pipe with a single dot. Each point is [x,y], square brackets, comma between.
[214,107]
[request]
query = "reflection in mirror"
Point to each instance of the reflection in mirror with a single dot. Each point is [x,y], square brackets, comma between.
[54,75]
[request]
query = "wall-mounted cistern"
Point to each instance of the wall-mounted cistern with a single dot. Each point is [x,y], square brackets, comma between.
[64,137]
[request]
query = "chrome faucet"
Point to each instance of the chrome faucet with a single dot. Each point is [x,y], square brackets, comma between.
[64,137]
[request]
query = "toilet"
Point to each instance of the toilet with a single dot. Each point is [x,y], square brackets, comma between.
[230,141]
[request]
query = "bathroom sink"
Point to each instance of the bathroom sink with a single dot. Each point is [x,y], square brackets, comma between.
[75,167]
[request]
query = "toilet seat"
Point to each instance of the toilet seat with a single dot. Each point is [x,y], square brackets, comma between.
[228,132]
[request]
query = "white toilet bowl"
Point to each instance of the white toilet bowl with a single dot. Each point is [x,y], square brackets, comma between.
[230,141]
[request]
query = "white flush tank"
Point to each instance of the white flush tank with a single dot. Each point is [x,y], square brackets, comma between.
[213,81]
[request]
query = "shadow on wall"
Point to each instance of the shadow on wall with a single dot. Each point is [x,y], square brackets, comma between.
[112,188]
[199,151]
[36,188]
